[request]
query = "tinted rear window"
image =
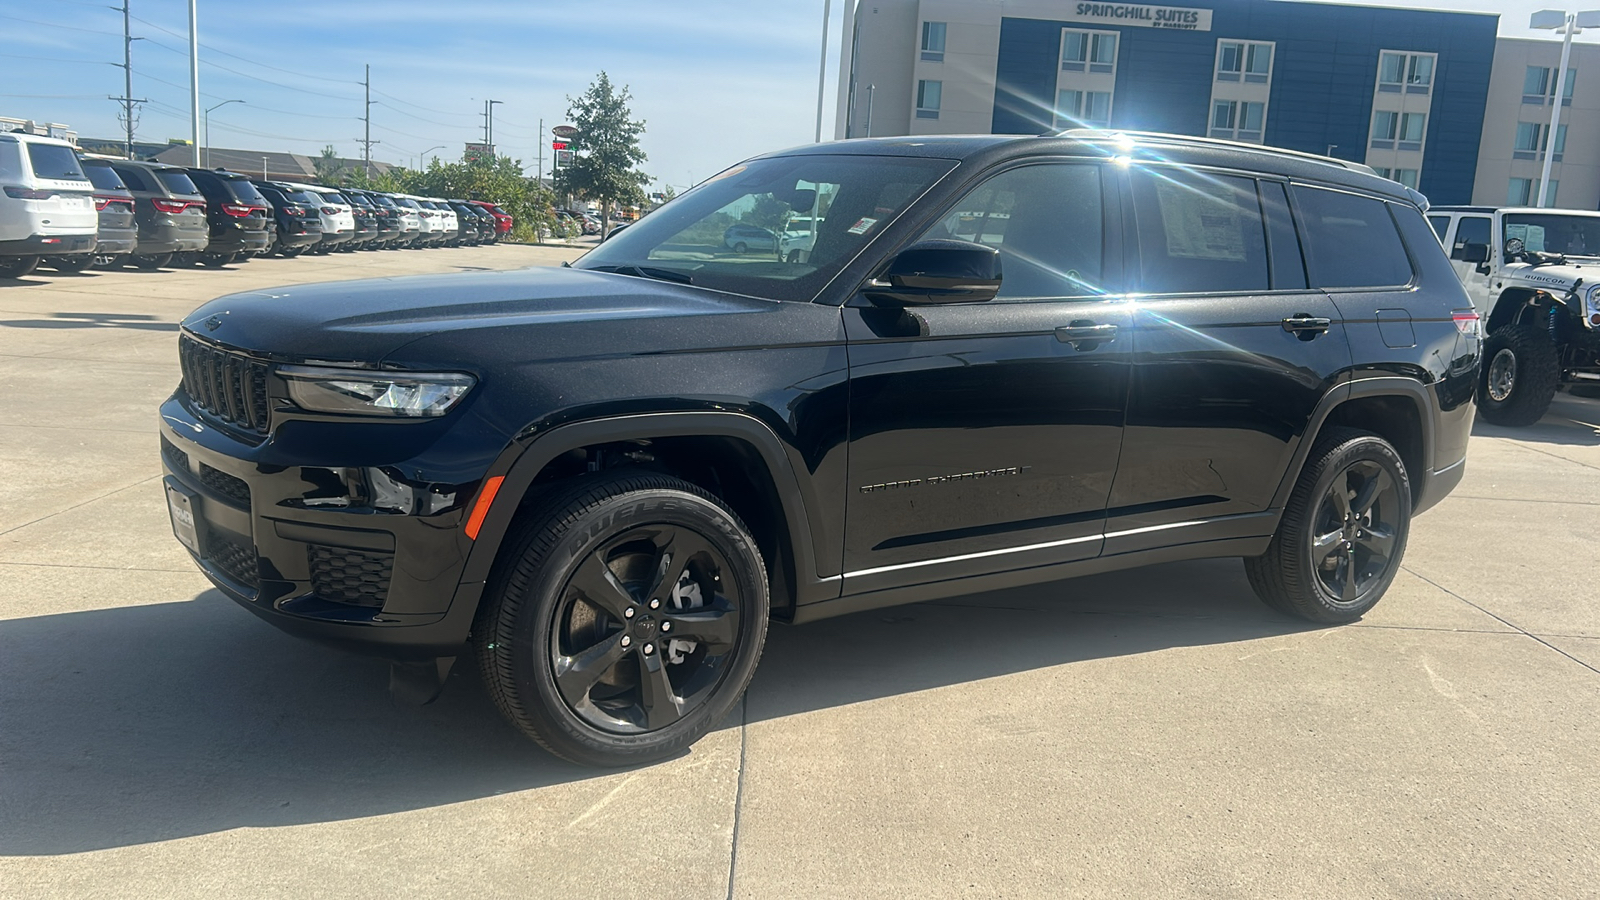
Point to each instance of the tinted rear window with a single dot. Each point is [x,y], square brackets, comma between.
[334,197]
[55,161]
[103,177]
[1351,241]
[358,200]
[176,181]
[135,178]
[1199,232]
[382,200]
[242,190]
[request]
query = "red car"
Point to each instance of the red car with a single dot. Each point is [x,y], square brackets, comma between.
[502,219]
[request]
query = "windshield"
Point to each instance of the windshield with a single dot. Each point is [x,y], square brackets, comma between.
[176,181]
[1547,233]
[724,233]
[104,178]
[54,161]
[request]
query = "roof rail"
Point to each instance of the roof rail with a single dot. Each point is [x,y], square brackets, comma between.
[1161,137]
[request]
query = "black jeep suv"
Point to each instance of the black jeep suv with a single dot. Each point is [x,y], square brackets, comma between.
[998,361]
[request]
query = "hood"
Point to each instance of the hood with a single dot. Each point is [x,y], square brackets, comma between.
[367,321]
[1558,277]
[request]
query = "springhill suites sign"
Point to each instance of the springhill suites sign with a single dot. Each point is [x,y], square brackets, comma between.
[1129,14]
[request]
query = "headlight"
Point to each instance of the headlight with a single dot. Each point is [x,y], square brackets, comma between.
[365,392]
[1591,312]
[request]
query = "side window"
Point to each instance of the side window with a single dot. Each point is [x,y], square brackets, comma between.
[1047,223]
[10,161]
[1441,226]
[1472,230]
[1199,232]
[1350,241]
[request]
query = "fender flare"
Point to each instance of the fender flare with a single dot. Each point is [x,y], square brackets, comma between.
[523,461]
[1378,386]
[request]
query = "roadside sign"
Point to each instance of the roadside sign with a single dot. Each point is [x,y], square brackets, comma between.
[563,157]
[564,131]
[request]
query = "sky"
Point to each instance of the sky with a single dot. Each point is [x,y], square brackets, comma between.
[715,81]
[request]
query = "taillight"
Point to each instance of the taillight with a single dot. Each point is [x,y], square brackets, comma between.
[292,210]
[22,193]
[170,206]
[330,211]
[1466,321]
[239,209]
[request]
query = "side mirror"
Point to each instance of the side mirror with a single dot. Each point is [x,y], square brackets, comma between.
[938,271]
[1473,253]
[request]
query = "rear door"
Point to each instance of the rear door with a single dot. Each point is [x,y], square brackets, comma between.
[984,436]
[1232,352]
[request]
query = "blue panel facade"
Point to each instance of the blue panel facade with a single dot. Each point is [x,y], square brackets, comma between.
[1324,73]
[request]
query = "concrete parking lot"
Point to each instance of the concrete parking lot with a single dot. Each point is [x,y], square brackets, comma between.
[1155,733]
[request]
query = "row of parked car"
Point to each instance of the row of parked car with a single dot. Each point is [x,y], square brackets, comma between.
[69,210]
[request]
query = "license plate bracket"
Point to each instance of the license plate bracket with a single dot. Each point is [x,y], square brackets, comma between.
[185,523]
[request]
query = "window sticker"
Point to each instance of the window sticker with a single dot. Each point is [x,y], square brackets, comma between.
[1532,236]
[1199,225]
[862,225]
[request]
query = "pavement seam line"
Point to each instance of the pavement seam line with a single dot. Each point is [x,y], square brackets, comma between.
[77,505]
[1498,618]
[738,793]
[1522,446]
[1522,500]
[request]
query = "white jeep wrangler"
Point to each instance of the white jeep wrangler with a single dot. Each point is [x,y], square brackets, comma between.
[1534,276]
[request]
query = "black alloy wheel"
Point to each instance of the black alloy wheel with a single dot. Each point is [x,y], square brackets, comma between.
[624,620]
[1343,532]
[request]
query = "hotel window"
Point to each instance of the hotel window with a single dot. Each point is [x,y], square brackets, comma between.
[928,97]
[1384,127]
[1251,60]
[1525,192]
[933,41]
[1539,85]
[1237,120]
[1091,109]
[1408,72]
[1092,51]
[1407,177]
[1531,138]
[1412,128]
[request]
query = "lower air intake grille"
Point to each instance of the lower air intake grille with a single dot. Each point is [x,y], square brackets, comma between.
[357,577]
[234,556]
[232,489]
[176,458]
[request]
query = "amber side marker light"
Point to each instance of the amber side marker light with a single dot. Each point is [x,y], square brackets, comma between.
[480,510]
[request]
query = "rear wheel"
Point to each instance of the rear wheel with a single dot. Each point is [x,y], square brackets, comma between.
[1519,375]
[624,618]
[72,265]
[217,260]
[17,266]
[1343,532]
[740,247]
[152,262]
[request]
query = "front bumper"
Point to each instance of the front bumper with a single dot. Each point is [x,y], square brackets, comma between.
[348,554]
[49,245]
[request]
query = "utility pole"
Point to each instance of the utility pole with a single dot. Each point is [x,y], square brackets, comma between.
[366,140]
[129,119]
[488,123]
[194,83]
[538,174]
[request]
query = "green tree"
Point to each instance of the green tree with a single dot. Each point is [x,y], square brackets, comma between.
[607,155]
[327,165]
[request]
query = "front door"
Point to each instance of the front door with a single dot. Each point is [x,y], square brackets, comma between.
[1471,236]
[984,436]
[1232,352]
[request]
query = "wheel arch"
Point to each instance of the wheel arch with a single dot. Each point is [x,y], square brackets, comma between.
[734,455]
[1509,305]
[1395,408]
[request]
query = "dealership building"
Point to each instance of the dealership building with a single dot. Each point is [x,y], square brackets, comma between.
[1431,99]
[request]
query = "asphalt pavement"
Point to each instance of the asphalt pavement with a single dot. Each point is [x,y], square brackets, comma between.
[1155,733]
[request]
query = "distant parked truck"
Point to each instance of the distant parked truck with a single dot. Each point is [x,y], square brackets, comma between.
[1534,276]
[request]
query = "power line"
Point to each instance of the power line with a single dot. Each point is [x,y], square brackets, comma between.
[54,25]
[247,59]
[280,84]
[443,112]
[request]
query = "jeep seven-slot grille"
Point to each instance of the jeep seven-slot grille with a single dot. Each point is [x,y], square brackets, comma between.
[357,577]
[230,386]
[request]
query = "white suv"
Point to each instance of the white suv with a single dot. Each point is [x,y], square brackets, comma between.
[46,203]
[338,220]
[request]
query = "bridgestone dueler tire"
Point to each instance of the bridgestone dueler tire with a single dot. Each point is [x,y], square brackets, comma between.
[1285,577]
[512,631]
[1538,374]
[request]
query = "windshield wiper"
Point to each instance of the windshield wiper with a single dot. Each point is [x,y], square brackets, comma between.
[648,272]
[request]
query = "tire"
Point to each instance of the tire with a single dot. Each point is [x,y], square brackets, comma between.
[537,616]
[217,260]
[186,260]
[72,265]
[1300,572]
[291,252]
[740,247]
[17,266]
[152,263]
[1519,375]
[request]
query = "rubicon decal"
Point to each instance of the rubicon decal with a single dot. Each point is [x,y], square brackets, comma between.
[942,479]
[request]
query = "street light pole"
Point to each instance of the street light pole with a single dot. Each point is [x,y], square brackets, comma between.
[822,66]
[194,82]
[208,127]
[1568,24]
[424,156]
[490,105]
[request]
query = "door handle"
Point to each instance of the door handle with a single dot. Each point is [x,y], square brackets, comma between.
[1306,327]
[1082,332]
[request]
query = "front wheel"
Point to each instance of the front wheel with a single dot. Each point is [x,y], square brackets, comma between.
[624,618]
[17,266]
[740,247]
[1519,376]
[1343,532]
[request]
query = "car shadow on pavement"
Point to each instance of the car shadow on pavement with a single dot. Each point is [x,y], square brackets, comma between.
[1572,421]
[147,723]
[93,320]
